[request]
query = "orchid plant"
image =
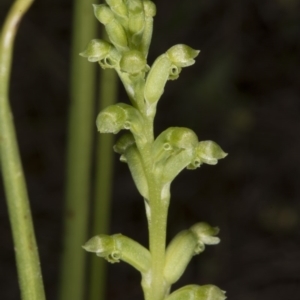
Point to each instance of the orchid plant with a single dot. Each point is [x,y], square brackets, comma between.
[154,162]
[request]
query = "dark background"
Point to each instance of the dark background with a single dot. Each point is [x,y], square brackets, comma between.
[242,93]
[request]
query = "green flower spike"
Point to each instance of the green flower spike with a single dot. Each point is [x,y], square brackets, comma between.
[184,246]
[153,163]
[119,247]
[196,292]
[114,29]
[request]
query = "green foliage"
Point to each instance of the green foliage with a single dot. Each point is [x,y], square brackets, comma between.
[154,163]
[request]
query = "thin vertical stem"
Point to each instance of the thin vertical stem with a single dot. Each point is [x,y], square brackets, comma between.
[80,133]
[27,258]
[103,185]
[157,287]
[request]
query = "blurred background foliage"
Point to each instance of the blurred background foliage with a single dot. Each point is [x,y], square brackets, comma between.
[243,93]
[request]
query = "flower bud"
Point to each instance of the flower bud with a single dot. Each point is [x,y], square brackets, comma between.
[114,29]
[117,35]
[103,13]
[150,12]
[119,116]
[119,247]
[133,62]
[118,7]
[96,50]
[136,21]
[149,8]
[196,292]
[182,55]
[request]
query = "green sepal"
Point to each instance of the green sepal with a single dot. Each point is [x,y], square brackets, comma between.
[125,141]
[182,55]
[120,116]
[115,31]
[196,292]
[118,7]
[136,21]
[119,247]
[207,152]
[103,13]
[184,246]
[149,8]
[150,12]
[206,235]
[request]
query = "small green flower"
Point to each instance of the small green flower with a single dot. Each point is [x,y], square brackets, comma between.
[96,50]
[182,55]
[210,152]
[119,116]
[120,247]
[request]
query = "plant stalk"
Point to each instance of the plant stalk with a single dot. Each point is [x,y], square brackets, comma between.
[79,154]
[27,259]
[157,288]
[103,185]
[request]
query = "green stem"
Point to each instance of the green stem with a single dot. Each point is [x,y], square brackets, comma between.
[103,185]
[79,156]
[157,241]
[156,288]
[27,258]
